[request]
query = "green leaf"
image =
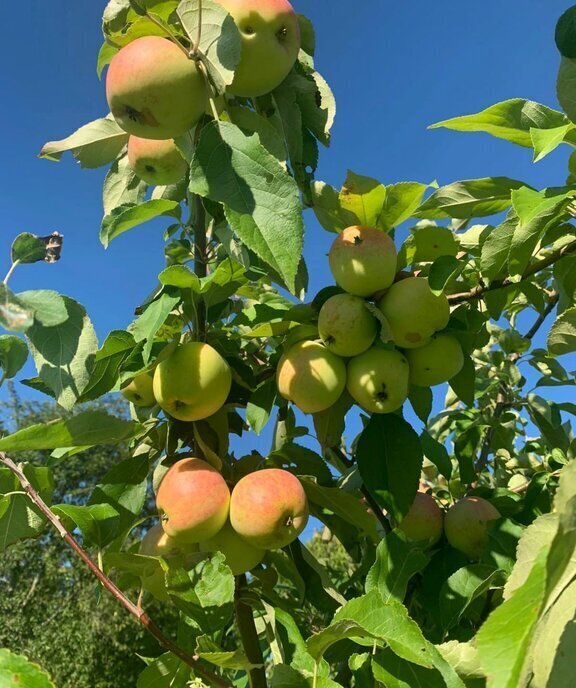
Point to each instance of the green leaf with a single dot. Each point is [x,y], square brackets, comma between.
[562,335]
[84,430]
[13,355]
[504,638]
[28,248]
[252,123]
[363,197]
[566,87]
[326,205]
[464,384]
[14,315]
[444,269]
[108,361]
[544,141]
[147,325]
[260,199]
[220,41]
[260,406]
[401,202]
[437,453]
[122,186]
[64,353]
[207,649]
[421,401]
[163,672]
[496,248]
[16,670]
[470,198]
[89,519]
[49,307]
[330,424]
[394,672]
[19,518]
[462,588]
[93,145]
[393,476]
[130,215]
[511,120]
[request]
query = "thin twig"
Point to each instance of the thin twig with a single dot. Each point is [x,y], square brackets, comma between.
[554,298]
[172,36]
[249,636]
[13,267]
[540,265]
[137,613]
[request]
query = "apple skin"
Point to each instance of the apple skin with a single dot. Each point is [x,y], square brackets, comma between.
[269,508]
[436,362]
[193,382]
[156,162]
[194,500]
[377,380]
[240,555]
[154,91]
[413,312]
[466,525]
[140,390]
[270,34]
[346,326]
[311,377]
[424,520]
[363,260]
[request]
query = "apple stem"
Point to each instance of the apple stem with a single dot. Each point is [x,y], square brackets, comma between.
[249,635]
[107,583]
[168,32]
[13,267]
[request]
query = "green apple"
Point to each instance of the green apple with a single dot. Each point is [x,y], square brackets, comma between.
[270,34]
[139,391]
[311,377]
[193,382]
[413,312]
[240,555]
[156,162]
[269,508]
[154,90]
[363,260]
[345,325]
[378,380]
[436,362]
[193,500]
[466,525]
[424,520]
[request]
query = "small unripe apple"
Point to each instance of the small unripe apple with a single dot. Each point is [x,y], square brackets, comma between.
[311,377]
[436,362]
[139,391]
[269,508]
[240,555]
[424,520]
[378,380]
[156,162]
[154,90]
[194,500]
[345,325]
[193,382]
[363,260]
[270,34]
[466,525]
[414,312]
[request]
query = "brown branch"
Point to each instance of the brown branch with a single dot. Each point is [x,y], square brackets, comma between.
[139,614]
[249,636]
[478,292]
[373,504]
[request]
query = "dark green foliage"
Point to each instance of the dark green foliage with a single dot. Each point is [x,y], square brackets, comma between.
[565,35]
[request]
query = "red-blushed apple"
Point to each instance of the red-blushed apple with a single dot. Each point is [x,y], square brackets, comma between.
[193,382]
[269,508]
[466,525]
[193,500]
[311,377]
[378,380]
[154,90]
[424,520]
[156,162]
[346,326]
[363,260]
[270,34]
[139,391]
[413,312]
[240,555]
[436,362]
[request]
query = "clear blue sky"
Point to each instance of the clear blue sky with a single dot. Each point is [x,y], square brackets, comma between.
[395,68]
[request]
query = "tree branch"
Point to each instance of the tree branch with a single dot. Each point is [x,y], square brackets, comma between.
[139,614]
[540,265]
[249,636]
[373,504]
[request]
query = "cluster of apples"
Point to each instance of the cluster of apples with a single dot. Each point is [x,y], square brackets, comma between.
[266,510]
[313,374]
[466,523]
[157,92]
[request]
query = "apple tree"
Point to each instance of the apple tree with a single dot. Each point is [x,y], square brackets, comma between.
[450,508]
